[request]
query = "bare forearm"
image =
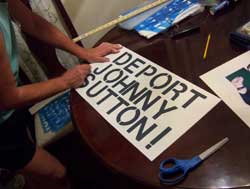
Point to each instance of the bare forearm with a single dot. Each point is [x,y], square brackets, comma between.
[48,33]
[40,28]
[33,93]
[43,30]
[13,97]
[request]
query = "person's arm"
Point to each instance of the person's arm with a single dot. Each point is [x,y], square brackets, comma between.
[43,30]
[12,96]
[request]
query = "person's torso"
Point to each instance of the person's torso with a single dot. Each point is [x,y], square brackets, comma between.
[7,31]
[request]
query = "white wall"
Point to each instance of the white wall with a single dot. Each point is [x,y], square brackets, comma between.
[89,14]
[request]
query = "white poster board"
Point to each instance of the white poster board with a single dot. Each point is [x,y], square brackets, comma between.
[231,82]
[150,106]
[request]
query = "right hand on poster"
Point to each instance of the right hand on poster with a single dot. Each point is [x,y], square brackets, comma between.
[75,77]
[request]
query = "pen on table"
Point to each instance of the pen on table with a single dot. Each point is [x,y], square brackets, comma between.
[185,31]
[206,47]
[219,6]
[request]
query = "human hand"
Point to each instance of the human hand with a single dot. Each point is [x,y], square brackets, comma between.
[98,53]
[75,77]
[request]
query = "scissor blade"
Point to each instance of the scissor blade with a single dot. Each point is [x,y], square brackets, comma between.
[213,149]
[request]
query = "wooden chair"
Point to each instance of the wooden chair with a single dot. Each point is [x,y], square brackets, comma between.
[47,59]
[45,53]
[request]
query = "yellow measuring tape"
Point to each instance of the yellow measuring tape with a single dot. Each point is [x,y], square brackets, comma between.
[120,19]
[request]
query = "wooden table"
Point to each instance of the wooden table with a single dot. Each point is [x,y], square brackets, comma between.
[229,167]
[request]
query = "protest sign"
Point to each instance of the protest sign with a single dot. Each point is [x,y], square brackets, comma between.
[149,105]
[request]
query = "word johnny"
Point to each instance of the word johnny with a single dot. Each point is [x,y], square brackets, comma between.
[150,106]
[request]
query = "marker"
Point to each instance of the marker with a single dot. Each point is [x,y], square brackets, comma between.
[219,6]
[206,48]
[185,31]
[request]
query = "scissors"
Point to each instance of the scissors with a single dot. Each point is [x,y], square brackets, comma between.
[179,168]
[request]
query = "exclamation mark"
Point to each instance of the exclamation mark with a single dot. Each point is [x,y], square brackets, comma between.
[158,137]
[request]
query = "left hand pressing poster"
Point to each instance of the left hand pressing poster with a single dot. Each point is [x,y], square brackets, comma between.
[148,105]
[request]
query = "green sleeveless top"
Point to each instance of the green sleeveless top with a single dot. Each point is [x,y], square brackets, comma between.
[7,31]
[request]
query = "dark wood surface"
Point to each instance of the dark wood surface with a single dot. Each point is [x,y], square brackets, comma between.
[229,167]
